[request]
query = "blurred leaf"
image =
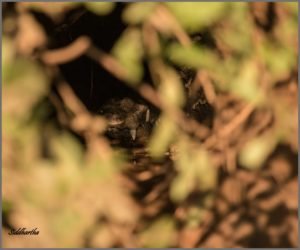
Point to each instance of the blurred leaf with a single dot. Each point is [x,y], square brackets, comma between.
[8,51]
[171,89]
[68,152]
[136,13]
[160,234]
[256,151]
[279,60]
[246,84]
[195,215]
[70,190]
[6,206]
[29,154]
[62,224]
[101,169]
[129,51]
[205,171]
[103,166]
[26,83]
[164,133]
[226,71]
[293,6]
[181,186]
[100,8]
[237,37]
[192,56]
[287,34]
[195,170]
[196,16]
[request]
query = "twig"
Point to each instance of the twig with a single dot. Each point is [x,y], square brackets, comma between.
[68,53]
[163,20]
[239,119]
[85,46]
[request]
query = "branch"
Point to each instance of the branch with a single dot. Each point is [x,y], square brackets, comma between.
[84,46]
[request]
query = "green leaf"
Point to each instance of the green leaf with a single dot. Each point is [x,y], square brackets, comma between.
[293,6]
[8,50]
[63,222]
[246,84]
[103,167]
[204,170]
[195,170]
[181,186]
[6,206]
[195,215]
[68,152]
[192,56]
[256,151]
[159,234]
[26,84]
[100,8]
[163,135]
[129,51]
[171,88]
[278,59]
[196,16]
[136,13]
[237,37]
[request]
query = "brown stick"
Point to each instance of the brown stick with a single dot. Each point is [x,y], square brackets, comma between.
[68,53]
[83,45]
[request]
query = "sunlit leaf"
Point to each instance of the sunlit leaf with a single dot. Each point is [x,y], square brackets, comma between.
[192,56]
[195,215]
[6,206]
[100,8]
[195,171]
[164,133]
[205,171]
[171,89]
[293,6]
[68,151]
[181,186]
[103,166]
[99,169]
[8,51]
[237,37]
[256,151]
[62,224]
[196,16]
[136,13]
[27,84]
[129,51]
[279,60]
[246,84]
[160,234]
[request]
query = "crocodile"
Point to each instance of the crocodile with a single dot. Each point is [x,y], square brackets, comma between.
[129,122]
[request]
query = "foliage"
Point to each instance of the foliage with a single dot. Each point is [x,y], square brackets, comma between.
[61,174]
